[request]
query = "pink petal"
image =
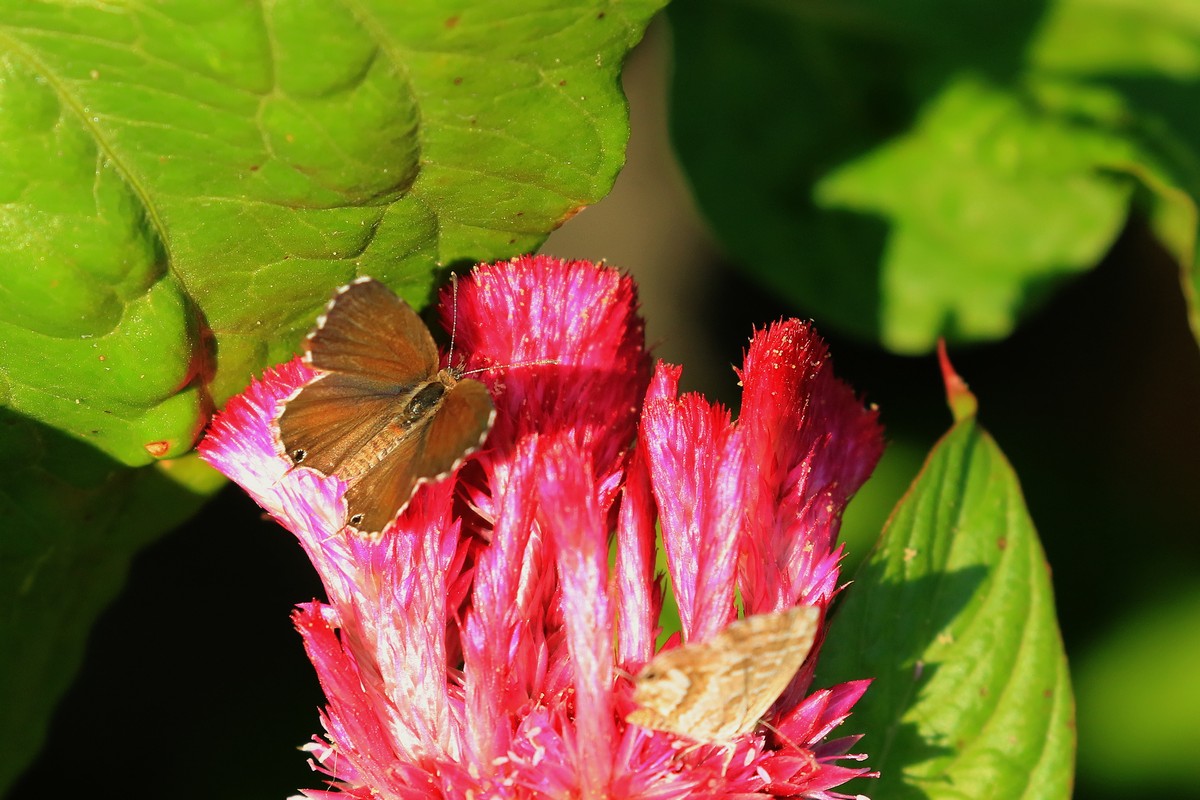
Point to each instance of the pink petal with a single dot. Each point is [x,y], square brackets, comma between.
[638,593]
[503,642]
[810,445]
[571,509]
[694,464]
[581,316]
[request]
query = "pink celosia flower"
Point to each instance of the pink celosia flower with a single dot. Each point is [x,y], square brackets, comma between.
[483,646]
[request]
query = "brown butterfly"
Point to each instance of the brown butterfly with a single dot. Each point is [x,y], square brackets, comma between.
[719,689]
[380,414]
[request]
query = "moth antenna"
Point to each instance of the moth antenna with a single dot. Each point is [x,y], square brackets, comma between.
[781,736]
[623,673]
[331,780]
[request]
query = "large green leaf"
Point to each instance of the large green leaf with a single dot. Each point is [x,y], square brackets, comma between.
[953,617]
[224,165]
[182,186]
[910,169]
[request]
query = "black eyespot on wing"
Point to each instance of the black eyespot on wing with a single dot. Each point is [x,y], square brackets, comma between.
[298,455]
[356,520]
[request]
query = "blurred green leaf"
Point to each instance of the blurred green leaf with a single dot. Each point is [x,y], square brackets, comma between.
[871,505]
[953,617]
[1139,700]
[982,155]
[988,200]
[182,186]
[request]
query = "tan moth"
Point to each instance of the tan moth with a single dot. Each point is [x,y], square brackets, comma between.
[719,689]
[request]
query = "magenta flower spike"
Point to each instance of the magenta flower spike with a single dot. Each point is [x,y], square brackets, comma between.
[483,646]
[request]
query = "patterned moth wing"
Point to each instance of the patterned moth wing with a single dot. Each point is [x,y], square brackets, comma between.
[719,689]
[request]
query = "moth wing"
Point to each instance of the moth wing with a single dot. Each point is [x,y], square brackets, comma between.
[368,331]
[720,689]
[770,649]
[457,429]
[649,717]
[677,691]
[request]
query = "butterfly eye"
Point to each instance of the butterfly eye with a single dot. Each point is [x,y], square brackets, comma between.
[298,455]
[356,520]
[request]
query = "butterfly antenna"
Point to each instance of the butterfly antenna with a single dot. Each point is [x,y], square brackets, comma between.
[513,364]
[454,332]
[453,316]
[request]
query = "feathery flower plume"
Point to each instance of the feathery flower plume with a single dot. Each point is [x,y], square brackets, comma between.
[483,646]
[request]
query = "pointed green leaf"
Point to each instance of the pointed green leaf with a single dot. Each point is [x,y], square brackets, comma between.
[953,617]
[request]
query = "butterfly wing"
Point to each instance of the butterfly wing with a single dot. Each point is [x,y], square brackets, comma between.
[456,430]
[360,418]
[333,417]
[374,500]
[719,689]
[375,353]
[430,449]
[369,331]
